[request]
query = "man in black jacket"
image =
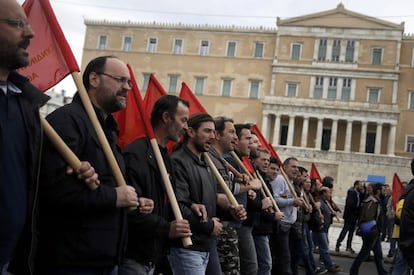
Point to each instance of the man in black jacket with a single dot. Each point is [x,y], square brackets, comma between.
[351,214]
[148,234]
[83,230]
[196,194]
[20,144]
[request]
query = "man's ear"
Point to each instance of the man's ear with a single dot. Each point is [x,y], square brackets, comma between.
[191,132]
[165,117]
[94,79]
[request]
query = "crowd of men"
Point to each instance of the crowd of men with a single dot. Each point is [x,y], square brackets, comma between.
[254,216]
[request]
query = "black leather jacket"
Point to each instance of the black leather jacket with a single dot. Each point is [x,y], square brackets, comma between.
[195,183]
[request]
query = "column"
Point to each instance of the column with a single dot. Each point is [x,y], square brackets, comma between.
[305,128]
[291,131]
[378,138]
[348,136]
[363,142]
[334,133]
[276,131]
[391,139]
[318,142]
[265,126]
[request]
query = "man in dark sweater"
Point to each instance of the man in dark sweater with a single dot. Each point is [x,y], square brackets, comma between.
[84,231]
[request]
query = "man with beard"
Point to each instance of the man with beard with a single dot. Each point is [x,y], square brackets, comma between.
[247,251]
[84,231]
[149,234]
[196,194]
[20,143]
[227,241]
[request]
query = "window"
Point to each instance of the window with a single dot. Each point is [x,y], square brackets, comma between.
[172,87]
[204,47]
[376,56]
[326,139]
[295,51]
[412,58]
[178,46]
[291,89]
[346,89]
[318,89]
[410,144]
[145,81]
[336,50]
[322,50]
[231,49]
[411,100]
[373,95]
[254,88]
[332,88]
[258,49]
[226,87]
[127,43]
[152,45]
[350,49]
[102,42]
[199,85]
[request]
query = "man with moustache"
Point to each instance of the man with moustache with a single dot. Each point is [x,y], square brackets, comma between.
[84,231]
[247,251]
[227,241]
[196,194]
[149,234]
[20,144]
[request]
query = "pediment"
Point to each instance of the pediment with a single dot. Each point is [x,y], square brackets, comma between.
[340,18]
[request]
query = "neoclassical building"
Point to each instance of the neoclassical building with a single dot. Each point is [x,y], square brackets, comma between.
[335,87]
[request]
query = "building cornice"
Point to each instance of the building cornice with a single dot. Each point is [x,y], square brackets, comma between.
[181,26]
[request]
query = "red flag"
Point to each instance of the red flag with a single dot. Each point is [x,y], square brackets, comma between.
[132,121]
[247,163]
[154,91]
[51,58]
[265,144]
[314,173]
[195,105]
[397,190]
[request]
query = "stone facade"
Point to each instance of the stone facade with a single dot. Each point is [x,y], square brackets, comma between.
[334,87]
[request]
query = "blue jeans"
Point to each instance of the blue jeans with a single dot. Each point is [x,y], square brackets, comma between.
[264,258]
[310,266]
[321,240]
[247,251]
[400,265]
[188,262]
[81,271]
[368,244]
[132,267]
[349,227]
[213,266]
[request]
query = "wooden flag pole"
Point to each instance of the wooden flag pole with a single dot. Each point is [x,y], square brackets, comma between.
[269,194]
[62,148]
[241,164]
[221,181]
[168,187]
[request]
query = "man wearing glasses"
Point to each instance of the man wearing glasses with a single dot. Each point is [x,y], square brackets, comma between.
[84,231]
[20,144]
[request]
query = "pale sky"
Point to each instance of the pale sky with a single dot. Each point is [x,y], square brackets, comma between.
[71,14]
